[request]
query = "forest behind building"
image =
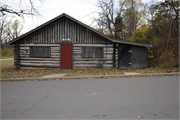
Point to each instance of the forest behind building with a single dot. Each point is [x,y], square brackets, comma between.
[142,22]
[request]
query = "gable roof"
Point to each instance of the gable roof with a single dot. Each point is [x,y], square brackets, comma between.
[86,26]
[56,18]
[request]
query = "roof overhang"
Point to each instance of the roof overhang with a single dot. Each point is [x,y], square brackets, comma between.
[132,43]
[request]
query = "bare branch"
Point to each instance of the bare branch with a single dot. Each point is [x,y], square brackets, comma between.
[6,9]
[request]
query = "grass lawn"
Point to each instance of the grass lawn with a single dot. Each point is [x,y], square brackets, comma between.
[8,71]
[7,57]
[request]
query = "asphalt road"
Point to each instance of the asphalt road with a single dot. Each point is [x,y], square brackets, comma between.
[123,98]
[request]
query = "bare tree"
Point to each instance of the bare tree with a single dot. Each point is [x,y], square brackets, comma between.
[15,29]
[9,29]
[7,9]
[4,23]
[105,19]
[132,15]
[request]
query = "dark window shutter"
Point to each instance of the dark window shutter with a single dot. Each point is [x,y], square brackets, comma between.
[40,52]
[92,52]
[99,52]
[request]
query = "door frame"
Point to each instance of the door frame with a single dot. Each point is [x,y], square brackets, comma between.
[60,54]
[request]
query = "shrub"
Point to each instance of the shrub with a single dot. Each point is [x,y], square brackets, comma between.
[7,52]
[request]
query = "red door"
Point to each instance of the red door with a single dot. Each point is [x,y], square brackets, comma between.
[66,56]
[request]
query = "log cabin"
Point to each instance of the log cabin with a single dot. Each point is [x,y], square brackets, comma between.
[67,43]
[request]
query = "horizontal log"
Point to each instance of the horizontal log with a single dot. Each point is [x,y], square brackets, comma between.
[104,55]
[99,59]
[92,66]
[55,54]
[39,65]
[28,48]
[92,45]
[24,48]
[36,67]
[22,53]
[80,52]
[91,59]
[108,52]
[44,62]
[77,48]
[41,59]
[108,49]
[80,56]
[40,45]
[92,62]
[77,53]
[80,49]
[55,48]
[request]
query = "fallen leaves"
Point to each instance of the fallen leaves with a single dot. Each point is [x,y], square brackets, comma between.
[95,71]
[8,71]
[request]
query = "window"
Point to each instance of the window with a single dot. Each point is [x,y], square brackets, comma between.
[92,52]
[40,52]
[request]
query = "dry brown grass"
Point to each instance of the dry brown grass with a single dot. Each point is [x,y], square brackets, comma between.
[156,70]
[8,71]
[94,71]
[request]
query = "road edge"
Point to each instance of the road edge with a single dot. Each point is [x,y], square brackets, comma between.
[92,77]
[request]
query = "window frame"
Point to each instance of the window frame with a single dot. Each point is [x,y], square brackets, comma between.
[92,52]
[41,49]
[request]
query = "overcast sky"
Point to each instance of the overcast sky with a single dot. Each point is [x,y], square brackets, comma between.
[52,8]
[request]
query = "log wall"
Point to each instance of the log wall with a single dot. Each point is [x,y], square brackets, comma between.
[52,62]
[80,62]
[17,56]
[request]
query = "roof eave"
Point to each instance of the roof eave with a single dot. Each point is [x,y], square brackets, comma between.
[133,43]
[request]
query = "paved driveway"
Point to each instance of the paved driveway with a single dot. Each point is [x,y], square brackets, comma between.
[124,98]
